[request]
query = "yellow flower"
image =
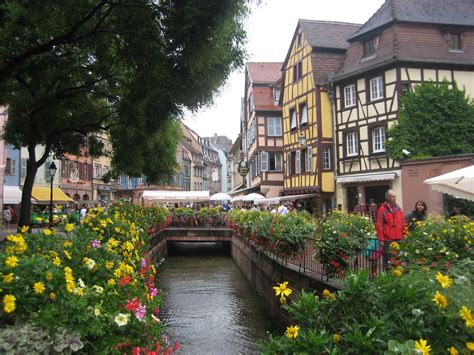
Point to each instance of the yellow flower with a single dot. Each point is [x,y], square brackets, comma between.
[79,291]
[47,231]
[9,303]
[49,276]
[465,314]
[8,278]
[39,288]
[328,294]
[423,346]
[282,290]
[336,338]
[67,254]
[394,245]
[69,227]
[397,272]
[11,261]
[67,243]
[444,280]
[109,265]
[24,229]
[110,282]
[292,331]
[440,300]
[52,296]
[470,345]
[453,351]
[57,261]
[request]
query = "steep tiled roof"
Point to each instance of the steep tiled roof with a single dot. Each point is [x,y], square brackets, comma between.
[263,99]
[327,34]
[264,72]
[441,12]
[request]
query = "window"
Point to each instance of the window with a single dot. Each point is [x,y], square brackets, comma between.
[275,161]
[251,104]
[300,70]
[303,114]
[264,161]
[369,47]
[376,88]
[297,71]
[454,41]
[8,167]
[299,40]
[378,140]
[288,164]
[293,118]
[327,158]
[274,126]
[298,162]
[349,96]
[85,171]
[303,160]
[309,159]
[46,165]
[24,163]
[276,95]
[352,144]
[97,171]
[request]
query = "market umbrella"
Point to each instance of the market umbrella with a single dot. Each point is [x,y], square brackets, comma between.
[253,197]
[459,183]
[236,198]
[220,196]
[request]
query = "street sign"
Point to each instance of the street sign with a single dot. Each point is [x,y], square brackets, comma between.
[243,168]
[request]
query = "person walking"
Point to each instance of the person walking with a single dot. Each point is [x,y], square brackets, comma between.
[391,224]
[417,215]
[7,216]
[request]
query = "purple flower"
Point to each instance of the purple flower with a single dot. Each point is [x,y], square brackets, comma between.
[165,339]
[153,292]
[140,312]
[95,243]
[143,264]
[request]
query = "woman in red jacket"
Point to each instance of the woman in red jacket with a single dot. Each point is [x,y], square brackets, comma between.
[391,224]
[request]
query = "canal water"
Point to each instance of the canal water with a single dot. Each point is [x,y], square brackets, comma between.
[209,306]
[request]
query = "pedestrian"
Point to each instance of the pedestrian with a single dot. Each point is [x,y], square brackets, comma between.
[83,212]
[417,215]
[391,224]
[456,211]
[282,209]
[7,216]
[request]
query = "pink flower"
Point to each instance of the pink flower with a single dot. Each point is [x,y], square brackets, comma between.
[143,264]
[95,243]
[153,291]
[140,313]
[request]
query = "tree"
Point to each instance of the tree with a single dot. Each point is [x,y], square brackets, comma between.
[72,70]
[434,119]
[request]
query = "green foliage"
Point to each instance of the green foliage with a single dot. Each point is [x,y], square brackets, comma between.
[435,119]
[340,237]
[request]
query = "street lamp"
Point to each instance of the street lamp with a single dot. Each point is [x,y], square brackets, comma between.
[52,172]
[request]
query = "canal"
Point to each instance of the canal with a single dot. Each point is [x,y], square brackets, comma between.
[209,306]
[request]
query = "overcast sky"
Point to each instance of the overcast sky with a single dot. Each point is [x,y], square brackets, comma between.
[270,28]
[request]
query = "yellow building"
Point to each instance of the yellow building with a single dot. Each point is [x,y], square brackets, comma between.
[316,53]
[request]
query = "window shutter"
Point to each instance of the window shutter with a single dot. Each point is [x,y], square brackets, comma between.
[298,162]
[264,161]
[288,163]
[293,119]
[309,159]
[304,114]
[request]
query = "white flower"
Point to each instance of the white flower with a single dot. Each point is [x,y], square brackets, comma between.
[156,319]
[121,319]
[417,251]
[98,289]
[90,264]
[97,311]
[81,283]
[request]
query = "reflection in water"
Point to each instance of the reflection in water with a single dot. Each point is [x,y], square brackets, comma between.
[209,306]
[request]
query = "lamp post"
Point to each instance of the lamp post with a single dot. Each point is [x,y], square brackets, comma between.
[302,139]
[52,172]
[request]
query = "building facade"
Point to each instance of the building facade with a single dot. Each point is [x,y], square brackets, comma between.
[402,45]
[316,52]
[263,147]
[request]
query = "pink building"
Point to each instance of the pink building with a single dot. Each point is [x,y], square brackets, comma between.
[3,152]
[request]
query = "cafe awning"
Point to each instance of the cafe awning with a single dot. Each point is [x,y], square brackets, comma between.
[368,177]
[176,196]
[42,195]
[11,195]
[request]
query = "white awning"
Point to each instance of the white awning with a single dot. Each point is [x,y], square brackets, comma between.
[176,196]
[11,195]
[277,200]
[366,177]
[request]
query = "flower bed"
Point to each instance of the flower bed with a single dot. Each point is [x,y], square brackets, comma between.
[89,288]
[204,217]
[284,235]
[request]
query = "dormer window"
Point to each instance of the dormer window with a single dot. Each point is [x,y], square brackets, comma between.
[299,40]
[454,40]
[276,95]
[369,47]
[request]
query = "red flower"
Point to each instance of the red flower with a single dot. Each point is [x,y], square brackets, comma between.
[133,305]
[167,351]
[343,235]
[136,351]
[125,280]
[176,346]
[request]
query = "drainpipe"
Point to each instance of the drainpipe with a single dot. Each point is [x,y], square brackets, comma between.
[332,98]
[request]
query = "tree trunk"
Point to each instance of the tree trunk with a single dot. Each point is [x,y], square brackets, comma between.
[25,208]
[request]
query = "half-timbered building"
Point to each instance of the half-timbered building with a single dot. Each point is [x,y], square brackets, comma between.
[406,42]
[316,52]
[263,128]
